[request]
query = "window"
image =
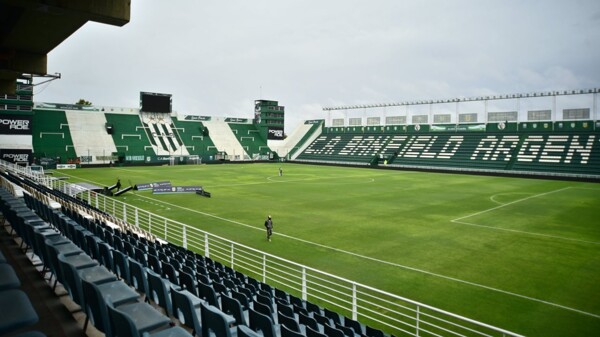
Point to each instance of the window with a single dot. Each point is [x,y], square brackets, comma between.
[337,122]
[373,121]
[467,118]
[420,119]
[395,120]
[442,119]
[354,121]
[502,116]
[576,113]
[539,115]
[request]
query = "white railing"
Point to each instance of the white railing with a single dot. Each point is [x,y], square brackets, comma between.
[392,313]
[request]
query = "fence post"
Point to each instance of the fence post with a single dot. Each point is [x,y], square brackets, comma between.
[149,222]
[232,256]
[184,233]
[264,267]
[206,251]
[418,320]
[354,305]
[125,212]
[137,219]
[304,294]
[166,238]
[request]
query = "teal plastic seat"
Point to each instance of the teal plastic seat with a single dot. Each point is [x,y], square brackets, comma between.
[96,297]
[289,321]
[8,277]
[215,321]
[121,265]
[287,332]
[106,256]
[244,331]
[159,291]
[141,322]
[232,307]
[186,308]
[262,323]
[310,332]
[208,294]
[332,332]
[139,278]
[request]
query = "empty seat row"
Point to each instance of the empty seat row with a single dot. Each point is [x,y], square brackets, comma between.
[21,314]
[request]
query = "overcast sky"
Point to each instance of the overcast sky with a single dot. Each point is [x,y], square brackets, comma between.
[217,57]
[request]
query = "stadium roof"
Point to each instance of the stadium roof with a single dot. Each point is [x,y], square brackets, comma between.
[30,29]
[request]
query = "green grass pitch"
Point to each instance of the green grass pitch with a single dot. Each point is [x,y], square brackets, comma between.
[520,254]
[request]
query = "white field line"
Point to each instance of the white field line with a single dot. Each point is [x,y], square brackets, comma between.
[510,203]
[386,262]
[493,197]
[457,220]
[528,233]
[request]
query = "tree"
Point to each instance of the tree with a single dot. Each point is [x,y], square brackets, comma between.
[83,102]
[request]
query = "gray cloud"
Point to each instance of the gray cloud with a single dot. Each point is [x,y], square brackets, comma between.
[217,57]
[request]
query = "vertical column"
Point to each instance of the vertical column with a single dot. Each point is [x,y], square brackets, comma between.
[485,110]
[457,117]
[553,112]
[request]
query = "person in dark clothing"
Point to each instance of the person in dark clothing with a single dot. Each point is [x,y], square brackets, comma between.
[118,184]
[269,226]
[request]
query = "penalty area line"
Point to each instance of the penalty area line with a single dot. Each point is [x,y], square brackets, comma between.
[389,263]
[511,203]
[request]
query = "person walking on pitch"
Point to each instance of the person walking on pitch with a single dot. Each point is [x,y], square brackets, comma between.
[269,226]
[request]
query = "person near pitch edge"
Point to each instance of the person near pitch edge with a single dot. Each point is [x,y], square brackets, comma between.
[269,226]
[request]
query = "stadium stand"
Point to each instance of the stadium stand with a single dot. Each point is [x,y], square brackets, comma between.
[299,140]
[193,136]
[129,135]
[250,139]
[224,139]
[558,153]
[51,136]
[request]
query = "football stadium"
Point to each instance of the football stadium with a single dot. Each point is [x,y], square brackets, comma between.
[466,216]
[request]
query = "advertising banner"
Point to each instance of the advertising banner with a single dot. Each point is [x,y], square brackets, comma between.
[149,186]
[15,124]
[66,166]
[196,118]
[275,133]
[457,128]
[314,121]
[236,120]
[175,189]
[17,155]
